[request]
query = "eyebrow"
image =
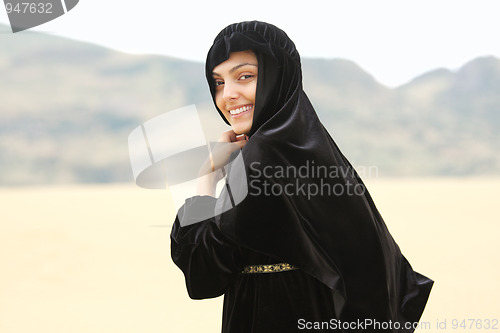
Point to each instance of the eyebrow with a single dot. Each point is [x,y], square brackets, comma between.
[236,68]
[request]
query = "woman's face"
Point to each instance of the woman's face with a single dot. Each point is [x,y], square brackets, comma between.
[235,86]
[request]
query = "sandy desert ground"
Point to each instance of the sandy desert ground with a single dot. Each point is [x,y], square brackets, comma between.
[96,258]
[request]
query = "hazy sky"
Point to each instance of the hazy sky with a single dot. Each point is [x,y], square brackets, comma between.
[394,40]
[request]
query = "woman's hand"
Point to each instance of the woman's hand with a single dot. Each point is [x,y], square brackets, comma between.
[227,144]
[211,171]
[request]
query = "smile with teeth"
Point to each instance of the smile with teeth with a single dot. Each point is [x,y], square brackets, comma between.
[240,110]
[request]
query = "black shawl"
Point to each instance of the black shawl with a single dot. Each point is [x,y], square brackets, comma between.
[306,204]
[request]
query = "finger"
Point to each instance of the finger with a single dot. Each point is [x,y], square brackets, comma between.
[228,136]
[241,143]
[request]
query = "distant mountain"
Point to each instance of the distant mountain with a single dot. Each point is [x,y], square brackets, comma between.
[67,107]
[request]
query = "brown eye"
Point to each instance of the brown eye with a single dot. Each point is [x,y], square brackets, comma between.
[218,83]
[247,76]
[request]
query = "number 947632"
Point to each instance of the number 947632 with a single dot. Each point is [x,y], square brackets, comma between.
[29,8]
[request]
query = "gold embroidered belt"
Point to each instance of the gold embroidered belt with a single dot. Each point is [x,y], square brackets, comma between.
[274,268]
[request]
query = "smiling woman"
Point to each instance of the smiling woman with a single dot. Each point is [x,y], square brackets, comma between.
[236,83]
[294,255]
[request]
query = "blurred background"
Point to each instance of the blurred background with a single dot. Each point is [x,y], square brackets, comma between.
[410,88]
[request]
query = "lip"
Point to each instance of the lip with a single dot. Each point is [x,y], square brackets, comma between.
[242,113]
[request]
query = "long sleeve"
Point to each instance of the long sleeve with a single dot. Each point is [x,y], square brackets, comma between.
[212,263]
[207,258]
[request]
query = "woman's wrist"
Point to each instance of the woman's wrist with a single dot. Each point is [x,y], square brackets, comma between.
[207,184]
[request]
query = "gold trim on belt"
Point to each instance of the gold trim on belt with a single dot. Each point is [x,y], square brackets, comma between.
[275,268]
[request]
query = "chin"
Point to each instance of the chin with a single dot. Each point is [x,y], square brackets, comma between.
[241,129]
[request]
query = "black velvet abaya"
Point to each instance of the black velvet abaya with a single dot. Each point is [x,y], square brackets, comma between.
[350,268]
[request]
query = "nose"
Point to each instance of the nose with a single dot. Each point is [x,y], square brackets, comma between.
[230,91]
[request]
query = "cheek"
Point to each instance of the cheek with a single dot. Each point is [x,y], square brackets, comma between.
[218,100]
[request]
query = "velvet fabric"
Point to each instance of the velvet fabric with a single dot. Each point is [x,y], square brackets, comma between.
[253,303]
[306,204]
